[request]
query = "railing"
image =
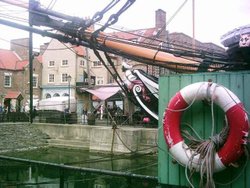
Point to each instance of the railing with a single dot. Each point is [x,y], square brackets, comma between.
[14,117]
[57,117]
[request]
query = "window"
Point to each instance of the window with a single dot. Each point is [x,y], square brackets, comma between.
[119,104]
[51,63]
[97,63]
[51,78]
[56,95]
[164,45]
[82,63]
[35,81]
[135,41]
[7,79]
[65,62]
[99,80]
[47,95]
[64,77]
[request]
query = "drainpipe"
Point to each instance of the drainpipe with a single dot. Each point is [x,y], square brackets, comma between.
[89,78]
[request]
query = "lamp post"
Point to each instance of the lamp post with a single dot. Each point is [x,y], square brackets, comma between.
[69,79]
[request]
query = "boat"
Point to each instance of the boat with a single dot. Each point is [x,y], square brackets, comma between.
[143,88]
[237,42]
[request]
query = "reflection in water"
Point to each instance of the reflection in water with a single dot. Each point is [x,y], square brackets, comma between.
[16,174]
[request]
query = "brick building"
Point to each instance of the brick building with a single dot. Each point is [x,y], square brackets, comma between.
[159,36]
[14,76]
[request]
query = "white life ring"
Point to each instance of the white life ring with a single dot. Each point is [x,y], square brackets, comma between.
[236,116]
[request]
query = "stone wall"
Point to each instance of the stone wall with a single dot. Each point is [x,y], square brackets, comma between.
[100,138]
[20,136]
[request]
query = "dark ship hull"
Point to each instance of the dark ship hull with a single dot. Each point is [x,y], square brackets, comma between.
[237,43]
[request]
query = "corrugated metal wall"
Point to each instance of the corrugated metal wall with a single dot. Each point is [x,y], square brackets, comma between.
[199,116]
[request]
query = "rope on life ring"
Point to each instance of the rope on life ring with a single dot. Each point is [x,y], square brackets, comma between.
[237,119]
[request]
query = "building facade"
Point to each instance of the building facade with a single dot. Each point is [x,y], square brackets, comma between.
[14,76]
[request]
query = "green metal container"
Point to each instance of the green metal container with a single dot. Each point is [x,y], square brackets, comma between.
[199,116]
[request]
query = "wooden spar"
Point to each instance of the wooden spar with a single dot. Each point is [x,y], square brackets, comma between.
[166,59]
[154,55]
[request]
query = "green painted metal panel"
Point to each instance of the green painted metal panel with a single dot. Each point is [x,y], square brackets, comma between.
[200,118]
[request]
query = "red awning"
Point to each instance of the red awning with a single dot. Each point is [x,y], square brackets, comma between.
[13,95]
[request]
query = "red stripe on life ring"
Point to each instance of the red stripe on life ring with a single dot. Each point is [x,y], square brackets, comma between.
[172,119]
[237,118]
[238,123]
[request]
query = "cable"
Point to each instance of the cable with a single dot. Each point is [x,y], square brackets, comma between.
[40,13]
[99,15]
[52,4]
[159,65]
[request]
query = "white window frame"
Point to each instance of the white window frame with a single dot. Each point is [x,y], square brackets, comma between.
[99,80]
[9,75]
[35,82]
[64,77]
[96,63]
[63,64]
[49,80]
[82,62]
[49,65]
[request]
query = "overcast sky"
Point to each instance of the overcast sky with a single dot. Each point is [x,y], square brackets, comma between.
[213,18]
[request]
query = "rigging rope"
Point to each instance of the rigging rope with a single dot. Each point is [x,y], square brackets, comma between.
[99,15]
[114,17]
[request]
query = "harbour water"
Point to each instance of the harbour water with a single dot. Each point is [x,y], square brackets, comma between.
[67,168]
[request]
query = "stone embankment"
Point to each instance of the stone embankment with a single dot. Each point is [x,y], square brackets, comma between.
[20,136]
[24,136]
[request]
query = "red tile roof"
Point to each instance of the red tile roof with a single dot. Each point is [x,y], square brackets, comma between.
[13,95]
[80,50]
[21,64]
[9,60]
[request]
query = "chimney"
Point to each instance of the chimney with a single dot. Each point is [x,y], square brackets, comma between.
[160,19]
[43,47]
[21,47]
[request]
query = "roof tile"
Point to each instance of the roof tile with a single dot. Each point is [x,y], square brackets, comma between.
[9,60]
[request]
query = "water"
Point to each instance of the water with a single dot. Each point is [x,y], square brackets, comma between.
[50,173]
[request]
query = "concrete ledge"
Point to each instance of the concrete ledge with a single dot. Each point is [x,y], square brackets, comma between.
[76,144]
[99,138]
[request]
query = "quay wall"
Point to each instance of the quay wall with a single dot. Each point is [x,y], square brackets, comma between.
[101,138]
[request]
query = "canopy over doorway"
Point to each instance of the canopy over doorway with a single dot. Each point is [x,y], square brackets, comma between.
[12,101]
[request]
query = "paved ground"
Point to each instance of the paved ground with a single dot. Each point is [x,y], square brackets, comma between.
[20,136]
